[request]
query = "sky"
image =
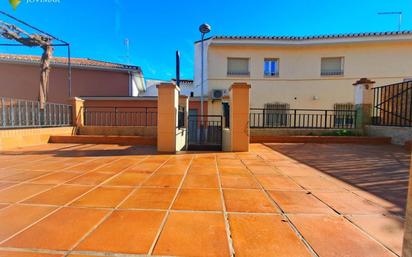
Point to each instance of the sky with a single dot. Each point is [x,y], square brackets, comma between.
[155,29]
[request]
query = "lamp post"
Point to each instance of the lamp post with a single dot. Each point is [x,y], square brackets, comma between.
[204,29]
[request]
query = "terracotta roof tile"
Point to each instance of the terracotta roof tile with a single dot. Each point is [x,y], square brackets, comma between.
[332,36]
[79,62]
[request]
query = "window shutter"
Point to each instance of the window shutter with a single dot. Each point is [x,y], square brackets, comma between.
[238,66]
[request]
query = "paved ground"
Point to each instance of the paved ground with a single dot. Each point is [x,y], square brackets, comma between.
[89,200]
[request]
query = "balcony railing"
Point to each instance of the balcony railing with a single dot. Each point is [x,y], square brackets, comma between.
[120,116]
[331,72]
[238,73]
[19,113]
[302,118]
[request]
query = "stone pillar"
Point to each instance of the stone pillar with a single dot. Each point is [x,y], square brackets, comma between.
[407,241]
[167,117]
[363,102]
[77,111]
[239,117]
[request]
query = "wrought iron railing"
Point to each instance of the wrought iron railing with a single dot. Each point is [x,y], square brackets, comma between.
[331,72]
[393,105]
[20,113]
[120,116]
[302,118]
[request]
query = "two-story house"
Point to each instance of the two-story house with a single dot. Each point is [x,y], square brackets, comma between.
[302,72]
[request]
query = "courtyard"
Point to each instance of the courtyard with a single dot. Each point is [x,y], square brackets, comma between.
[276,200]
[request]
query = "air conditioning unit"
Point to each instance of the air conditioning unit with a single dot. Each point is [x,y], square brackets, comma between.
[217,94]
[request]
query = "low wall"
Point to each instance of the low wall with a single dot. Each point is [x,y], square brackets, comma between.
[181,136]
[399,135]
[321,139]
[118,131]
[294,132]
[226,144]
[14,138]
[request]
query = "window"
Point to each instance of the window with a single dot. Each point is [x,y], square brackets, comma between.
[332,66]
[271,67]
[238,66]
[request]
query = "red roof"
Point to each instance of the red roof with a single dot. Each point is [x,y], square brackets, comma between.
[76,62]
[332,36]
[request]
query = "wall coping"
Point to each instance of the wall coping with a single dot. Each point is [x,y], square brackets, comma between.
[239,85]
[119,98]
[168,85]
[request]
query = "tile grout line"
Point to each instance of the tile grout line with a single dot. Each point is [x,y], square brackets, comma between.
[225,213]
[59,208]
[369,236]
[165,218]
[31,181]
[112,210]
[282,213]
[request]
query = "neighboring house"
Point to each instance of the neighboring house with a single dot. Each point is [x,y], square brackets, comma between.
[303,72]
[187,88]
[20,78]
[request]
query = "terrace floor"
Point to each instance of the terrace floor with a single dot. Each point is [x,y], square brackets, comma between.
[277,200]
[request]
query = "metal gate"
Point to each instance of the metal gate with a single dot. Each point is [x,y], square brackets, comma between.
[205,133]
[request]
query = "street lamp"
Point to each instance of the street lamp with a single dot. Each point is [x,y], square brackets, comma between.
[204,29]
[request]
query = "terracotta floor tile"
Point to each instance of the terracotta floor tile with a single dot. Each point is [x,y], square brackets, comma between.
[238,171]
[56,178]
[117,165]
[27,254]
[21,192]
[127,179]
[263,170]
[4,185]
[163,181]
[388,230]
[103,197]
[348,203]
[264,235]
[238,200]
[130,232]
[299,170]
[299,202]
[203,170]
[239,182]
[3,205]
[201,181]
[318,183]
[277,183]
[60,195]
[193,234]
[60,231]
[198,199]
[333,236]
[24,176]
[172,169]
[144,167]
[90,165]
[150,198]
[17,217]
[93,178]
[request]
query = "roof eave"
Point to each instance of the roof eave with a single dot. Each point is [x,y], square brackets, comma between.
[309,42]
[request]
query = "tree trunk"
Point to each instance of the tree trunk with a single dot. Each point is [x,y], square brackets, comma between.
[44,75]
